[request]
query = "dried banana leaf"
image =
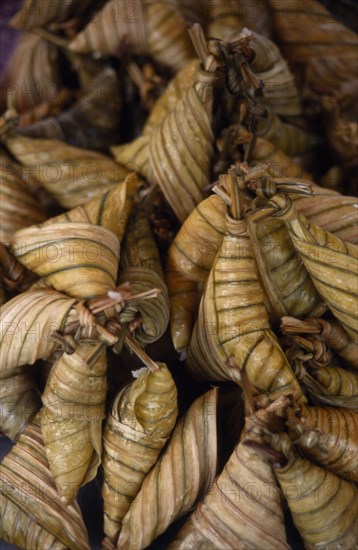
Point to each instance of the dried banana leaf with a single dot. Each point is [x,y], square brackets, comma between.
[27,322]
[18,206]
[33,73]
[146,26]
[232,330]
[72,175]
[180,477]
[141,267]
[329,437]
[32,515]
[323,506]
[189,261]
[142,418]
[40,13]
[331,263]
[92,123]
[243,509]
[74,400]
[19,401]
[79,259]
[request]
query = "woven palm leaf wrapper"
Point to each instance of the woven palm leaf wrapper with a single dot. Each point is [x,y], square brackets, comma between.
[331,211]
[326,208]
[330,333]
[323,374]
[146,26]
[278,163]
[323,506]
[329,385]
[19,400]
[291,139]
[33,73]
[71,424]
[243,509]
[175,90]
[92,123]
[32,514]
[27,322]
[275,95]
[192,12]
[79,259]
[232,330]
[71,175]
[43,110]
[191,256]
[111,210]
[38,13]
[18,206]
[193,250]
[136,153]
[328,50]
[189,261]
[141,267]
[27,325]
[225,19]
[229,17]
[342,132]
[275,257]
[328,437]
[176,155]
[331,263]
[181,476]
[283,276]
[280,93]
[14,276]
[142,418]
[260,250]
